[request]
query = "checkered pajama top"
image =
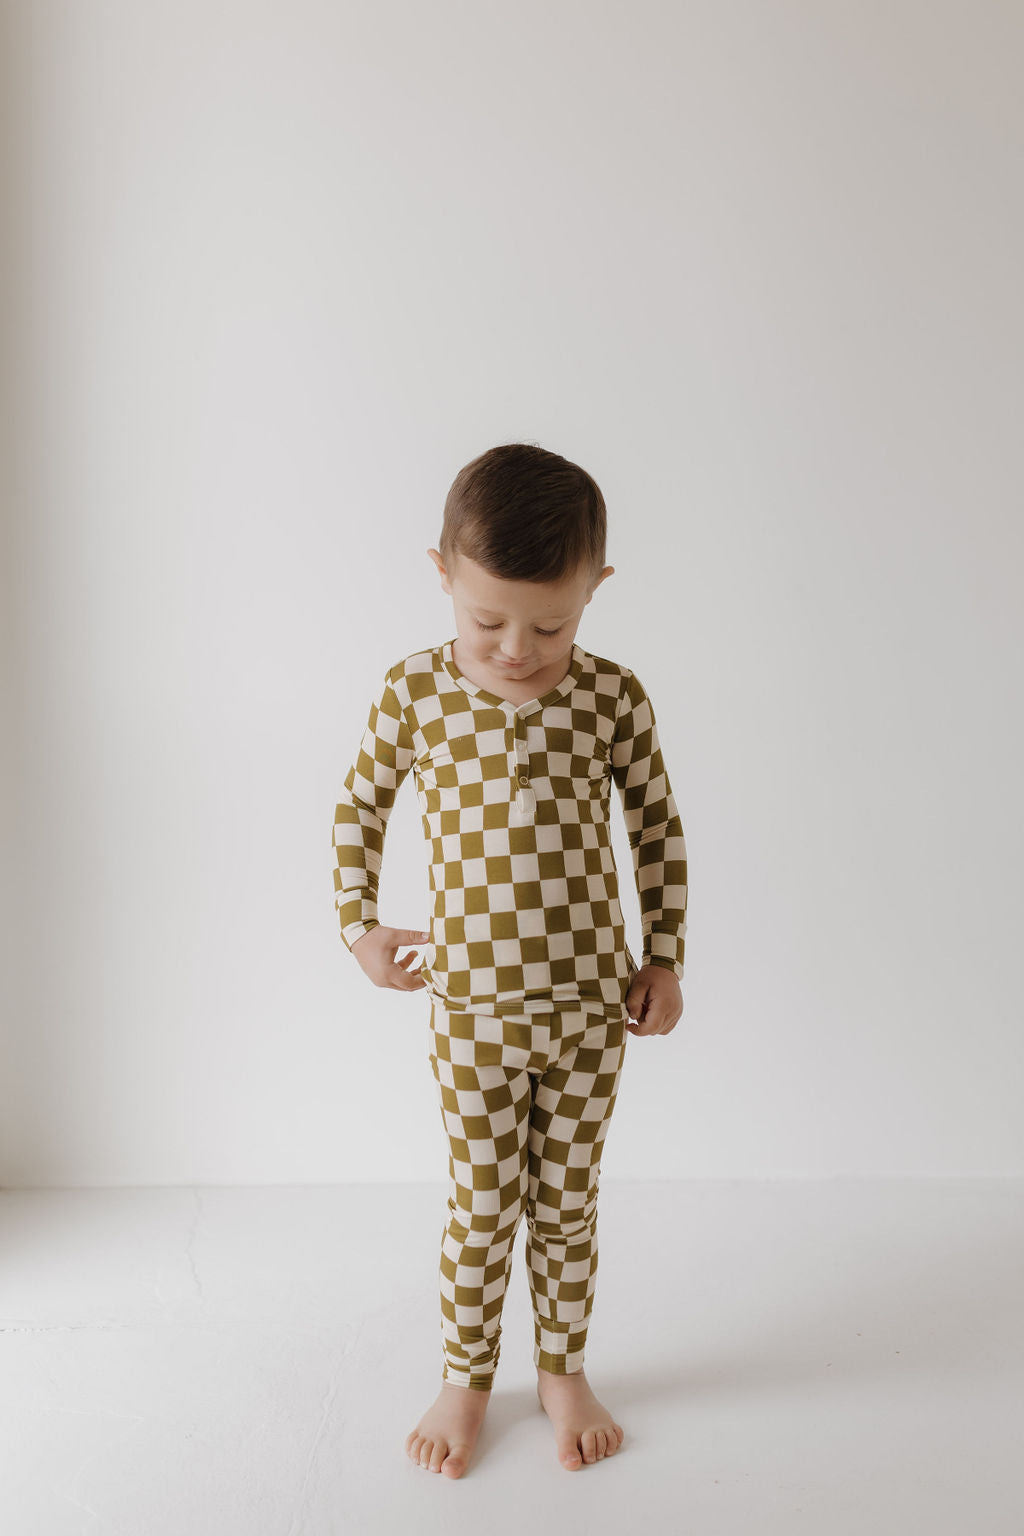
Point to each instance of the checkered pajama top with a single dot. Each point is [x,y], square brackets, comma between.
[515,802]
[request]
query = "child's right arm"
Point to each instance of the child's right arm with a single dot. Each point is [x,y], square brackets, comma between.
[360,819]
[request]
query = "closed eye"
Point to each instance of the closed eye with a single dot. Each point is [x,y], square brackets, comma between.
[545,632]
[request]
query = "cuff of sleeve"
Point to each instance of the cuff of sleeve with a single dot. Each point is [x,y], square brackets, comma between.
[666,965]
[666,950]
[352,931]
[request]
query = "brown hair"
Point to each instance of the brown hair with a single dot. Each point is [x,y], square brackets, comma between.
[526,515]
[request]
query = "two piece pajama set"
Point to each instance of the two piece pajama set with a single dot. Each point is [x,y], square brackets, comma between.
[527,967]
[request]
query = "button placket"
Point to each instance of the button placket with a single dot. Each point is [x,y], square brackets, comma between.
[519,767]
[522,755]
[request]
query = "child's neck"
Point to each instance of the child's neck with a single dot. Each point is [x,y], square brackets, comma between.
[515,690]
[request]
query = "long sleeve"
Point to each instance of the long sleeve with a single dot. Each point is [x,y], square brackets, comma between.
[360,819]
[654,828]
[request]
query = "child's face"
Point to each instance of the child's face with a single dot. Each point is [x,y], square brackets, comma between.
[515,629]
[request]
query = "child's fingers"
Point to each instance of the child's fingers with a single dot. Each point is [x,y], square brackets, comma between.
[409,981]
[656,1024]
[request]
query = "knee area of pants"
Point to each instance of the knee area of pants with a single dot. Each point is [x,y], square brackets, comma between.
[545,1220]
[575,1237]
[484,1228]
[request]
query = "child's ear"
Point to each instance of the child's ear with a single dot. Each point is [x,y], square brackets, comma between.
[435,555]
[609,570]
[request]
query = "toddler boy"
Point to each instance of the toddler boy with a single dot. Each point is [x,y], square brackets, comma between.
[515,734]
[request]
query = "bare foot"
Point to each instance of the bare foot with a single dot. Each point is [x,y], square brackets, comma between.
[444,1438]
[582,1424]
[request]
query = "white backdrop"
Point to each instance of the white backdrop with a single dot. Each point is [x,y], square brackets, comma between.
[277,272]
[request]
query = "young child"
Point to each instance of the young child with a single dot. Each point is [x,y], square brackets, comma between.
[515,734]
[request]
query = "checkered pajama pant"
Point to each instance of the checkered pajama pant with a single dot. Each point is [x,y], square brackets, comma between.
[526,1101]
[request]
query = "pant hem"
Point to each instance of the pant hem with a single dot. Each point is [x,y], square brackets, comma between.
[558,1365]
[473,1383]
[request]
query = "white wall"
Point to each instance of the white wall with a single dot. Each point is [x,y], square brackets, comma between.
[278,272]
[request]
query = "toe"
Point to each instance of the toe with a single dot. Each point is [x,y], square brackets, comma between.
[412,1446]
[588,1440]
[613,1443]
[569,1451]
[602,1443]
[425,1452]
[438,1455]
[456,1461]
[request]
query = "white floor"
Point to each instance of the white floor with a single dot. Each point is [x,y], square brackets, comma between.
[832,1357]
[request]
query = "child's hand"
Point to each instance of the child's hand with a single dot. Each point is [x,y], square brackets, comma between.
[654,1000]
[376,950]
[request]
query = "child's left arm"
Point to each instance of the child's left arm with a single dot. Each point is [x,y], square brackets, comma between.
[656,839]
